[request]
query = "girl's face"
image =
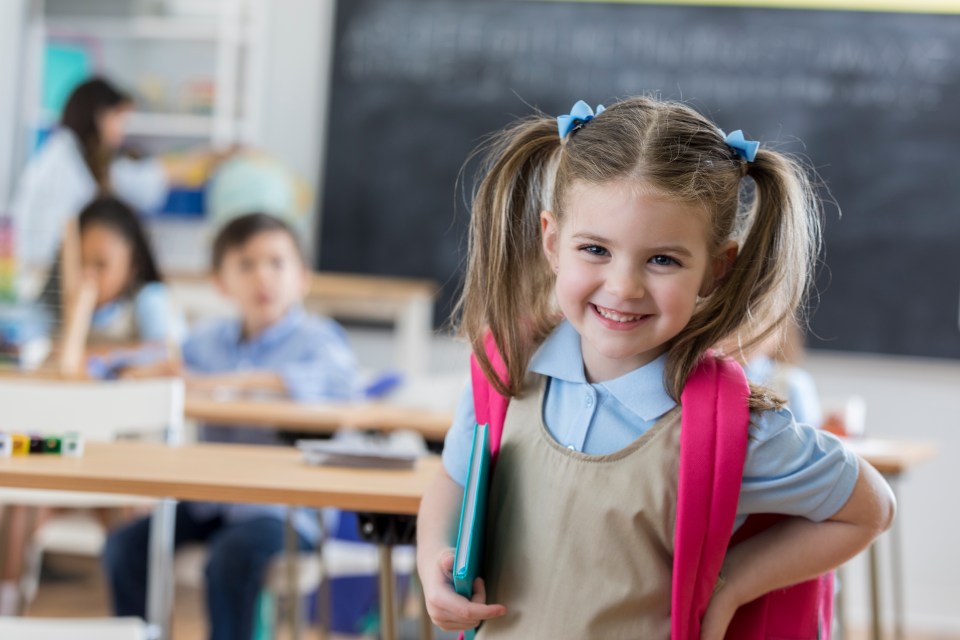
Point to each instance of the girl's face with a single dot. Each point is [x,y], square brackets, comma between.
[112,125]
[630,265]
[107,259]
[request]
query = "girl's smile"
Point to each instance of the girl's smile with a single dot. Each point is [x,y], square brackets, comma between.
[617,320]
[630,265]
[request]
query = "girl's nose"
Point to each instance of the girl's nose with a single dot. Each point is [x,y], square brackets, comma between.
[625,282]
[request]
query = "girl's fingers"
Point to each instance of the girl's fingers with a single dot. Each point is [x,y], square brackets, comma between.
[451,611]
[480,597]
[446,563]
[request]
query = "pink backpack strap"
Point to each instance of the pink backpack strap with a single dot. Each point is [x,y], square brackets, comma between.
[490,407]
[713,447]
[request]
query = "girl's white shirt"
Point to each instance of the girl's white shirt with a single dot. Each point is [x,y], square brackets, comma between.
[57,184]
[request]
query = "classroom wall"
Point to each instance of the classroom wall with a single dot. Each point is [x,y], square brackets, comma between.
[295,87]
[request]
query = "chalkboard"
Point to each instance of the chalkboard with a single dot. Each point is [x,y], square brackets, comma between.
[872,99]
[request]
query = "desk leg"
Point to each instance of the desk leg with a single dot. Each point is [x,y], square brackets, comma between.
[840,586]
[388,607]
[875,613]
[292,551]
[896,559]
[159,572]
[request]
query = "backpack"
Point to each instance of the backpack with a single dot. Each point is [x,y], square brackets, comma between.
[714,426]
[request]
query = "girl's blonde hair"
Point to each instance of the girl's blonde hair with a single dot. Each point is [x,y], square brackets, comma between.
[666,146]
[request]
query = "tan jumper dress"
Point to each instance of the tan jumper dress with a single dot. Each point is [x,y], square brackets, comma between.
[579,545]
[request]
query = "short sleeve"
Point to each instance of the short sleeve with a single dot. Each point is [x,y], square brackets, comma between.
[200,350]
[325,368]
[155,315]
[141,183]
[795,469]
[459,439]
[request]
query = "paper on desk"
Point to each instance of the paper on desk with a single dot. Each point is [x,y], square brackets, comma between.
[360,450]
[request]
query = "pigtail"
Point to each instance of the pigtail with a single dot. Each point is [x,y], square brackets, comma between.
[769,278]
[508,286]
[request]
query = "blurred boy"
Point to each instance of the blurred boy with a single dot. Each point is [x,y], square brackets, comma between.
[274,345]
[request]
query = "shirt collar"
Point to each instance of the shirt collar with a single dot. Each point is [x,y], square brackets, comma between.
[275,332]
[641,391]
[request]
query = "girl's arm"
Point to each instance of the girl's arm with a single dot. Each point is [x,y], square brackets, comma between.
[435,528]
[798,549]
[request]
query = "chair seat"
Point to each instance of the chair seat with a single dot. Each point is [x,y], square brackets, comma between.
[73,628]
[76,533]
[192,558]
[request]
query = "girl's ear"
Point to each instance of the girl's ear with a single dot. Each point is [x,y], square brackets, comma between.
[719,268]
[549,232]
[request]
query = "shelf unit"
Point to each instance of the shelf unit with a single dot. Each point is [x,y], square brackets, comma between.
[219,43]
[234,29]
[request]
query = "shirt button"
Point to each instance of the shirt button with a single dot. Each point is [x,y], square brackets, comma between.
[571,447]
[589,401]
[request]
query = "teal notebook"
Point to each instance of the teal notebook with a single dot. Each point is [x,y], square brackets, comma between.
[466,561]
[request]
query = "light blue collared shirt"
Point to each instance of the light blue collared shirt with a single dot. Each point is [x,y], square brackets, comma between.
[154,316]
[312,356]
[791,468]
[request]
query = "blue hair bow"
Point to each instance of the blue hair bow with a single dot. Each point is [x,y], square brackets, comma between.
[746,149]
[579,115]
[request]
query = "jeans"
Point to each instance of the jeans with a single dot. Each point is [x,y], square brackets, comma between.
[239,554]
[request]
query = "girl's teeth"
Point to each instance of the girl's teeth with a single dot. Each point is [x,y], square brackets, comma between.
[612,315]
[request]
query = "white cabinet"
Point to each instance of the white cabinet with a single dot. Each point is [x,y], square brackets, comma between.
[195,68]
[196,71]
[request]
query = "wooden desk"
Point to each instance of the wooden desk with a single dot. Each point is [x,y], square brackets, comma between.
[318,417]
[221,473]
[893,459]
[217,472]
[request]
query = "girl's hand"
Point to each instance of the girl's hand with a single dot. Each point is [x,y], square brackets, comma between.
[448,609]
[719,613]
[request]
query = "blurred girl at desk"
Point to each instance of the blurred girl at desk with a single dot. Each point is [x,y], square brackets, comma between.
[80,160]
[110,261]
[131,303]
[273,346]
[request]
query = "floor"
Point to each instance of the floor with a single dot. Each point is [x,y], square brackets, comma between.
[73,587]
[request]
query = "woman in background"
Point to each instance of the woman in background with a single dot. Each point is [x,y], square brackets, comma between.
[80,161]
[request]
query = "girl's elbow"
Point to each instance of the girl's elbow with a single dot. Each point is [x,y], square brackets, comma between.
[887,509]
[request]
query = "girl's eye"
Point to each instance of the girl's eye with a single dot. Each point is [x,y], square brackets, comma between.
[595,250]
[663,261]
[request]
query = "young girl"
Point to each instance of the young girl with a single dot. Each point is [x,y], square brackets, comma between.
[133,304]
[604,262]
